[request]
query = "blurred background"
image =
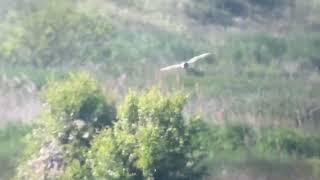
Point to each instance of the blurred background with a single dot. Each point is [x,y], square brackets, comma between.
[263,76]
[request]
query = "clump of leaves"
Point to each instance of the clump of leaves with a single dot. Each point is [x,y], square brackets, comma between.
[79,97]
[80,110]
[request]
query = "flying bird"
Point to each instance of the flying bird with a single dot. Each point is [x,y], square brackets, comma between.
[186,64]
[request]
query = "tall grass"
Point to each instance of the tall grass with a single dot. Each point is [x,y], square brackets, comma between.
[11,146]
[238,150]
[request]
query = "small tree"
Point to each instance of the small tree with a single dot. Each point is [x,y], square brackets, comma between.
[76,109]
[150,140]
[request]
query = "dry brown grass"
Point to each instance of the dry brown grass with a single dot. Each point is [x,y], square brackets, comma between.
[18,100]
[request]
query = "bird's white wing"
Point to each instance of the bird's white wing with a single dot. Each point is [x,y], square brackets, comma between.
[176,66]
[197,58]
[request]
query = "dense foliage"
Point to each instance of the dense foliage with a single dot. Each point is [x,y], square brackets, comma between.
[79,136]
[75,110]
[79,98]
[150,140]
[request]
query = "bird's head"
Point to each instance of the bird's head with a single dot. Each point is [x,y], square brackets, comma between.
[185,65]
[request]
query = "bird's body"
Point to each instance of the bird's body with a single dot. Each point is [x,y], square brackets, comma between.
[185,65]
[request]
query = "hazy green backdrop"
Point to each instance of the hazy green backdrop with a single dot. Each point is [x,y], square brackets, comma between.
[258,94]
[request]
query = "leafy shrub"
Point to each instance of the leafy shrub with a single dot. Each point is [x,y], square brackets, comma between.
[79,97]
[150,140]
[79,109]
[77,170]
[111,156]
[76,110]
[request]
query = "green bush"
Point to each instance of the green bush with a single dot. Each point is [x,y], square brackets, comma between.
[150,140]
[76,109]
[79,97]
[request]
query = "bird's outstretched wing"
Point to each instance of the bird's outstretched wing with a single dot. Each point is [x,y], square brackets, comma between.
[176,66]
[197,58]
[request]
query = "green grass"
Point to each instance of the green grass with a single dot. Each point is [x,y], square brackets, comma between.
[11,146]
[261,165]
[280,153]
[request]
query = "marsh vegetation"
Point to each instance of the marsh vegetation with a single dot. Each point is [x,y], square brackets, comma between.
[82,96]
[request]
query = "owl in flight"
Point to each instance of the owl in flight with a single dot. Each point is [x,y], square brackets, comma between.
[186,64]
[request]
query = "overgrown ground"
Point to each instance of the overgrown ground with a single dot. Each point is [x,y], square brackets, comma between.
[11,148]
[264,71]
